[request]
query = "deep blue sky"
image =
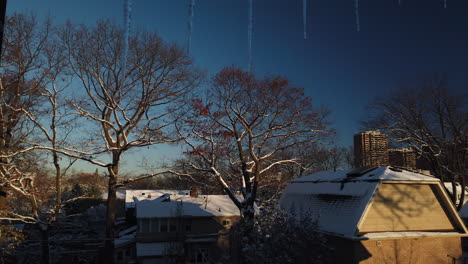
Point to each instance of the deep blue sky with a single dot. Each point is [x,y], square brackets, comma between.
[337,66]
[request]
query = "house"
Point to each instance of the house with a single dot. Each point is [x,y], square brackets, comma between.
[188,228]
[380,215]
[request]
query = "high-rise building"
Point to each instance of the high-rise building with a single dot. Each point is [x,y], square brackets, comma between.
[371,148]
[405,157]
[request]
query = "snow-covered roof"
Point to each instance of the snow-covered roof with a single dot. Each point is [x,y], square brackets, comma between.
[128,231]
[125,239]
[337,201]
[336,207]
[134,196]
[185,205]
[379,174]
[151,249]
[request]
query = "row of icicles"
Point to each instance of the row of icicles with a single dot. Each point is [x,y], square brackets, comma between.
[128,16]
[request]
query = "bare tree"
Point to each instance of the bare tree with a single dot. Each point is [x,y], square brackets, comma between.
[129,103]
[243,126]
[433,120]
[22,76]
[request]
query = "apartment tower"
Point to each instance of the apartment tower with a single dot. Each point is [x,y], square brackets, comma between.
[371,148]
[405,157]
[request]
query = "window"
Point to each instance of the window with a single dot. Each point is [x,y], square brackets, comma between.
[188,225]
[143,225]
[172,225]
[120,255]
[154,225]
[163,225]
[226,222]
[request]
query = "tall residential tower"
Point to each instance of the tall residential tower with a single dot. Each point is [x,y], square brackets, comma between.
[371,148]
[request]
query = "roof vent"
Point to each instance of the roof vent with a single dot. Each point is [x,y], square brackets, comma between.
[361,171]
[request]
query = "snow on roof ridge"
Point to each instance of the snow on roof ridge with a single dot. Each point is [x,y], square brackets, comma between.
[386,173]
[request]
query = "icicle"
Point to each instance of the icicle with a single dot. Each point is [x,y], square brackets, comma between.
[399,2]
[445,3]
[356,12]
[190,24]
[250,29]
[304,17]
[127,23]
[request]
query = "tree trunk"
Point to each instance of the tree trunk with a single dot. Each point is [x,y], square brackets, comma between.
[110,214]
[110,220]
[58,186]
[44,231]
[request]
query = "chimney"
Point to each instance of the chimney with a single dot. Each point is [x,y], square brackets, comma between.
[194,191]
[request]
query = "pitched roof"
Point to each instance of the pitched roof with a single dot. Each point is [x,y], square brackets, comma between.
[185,205]
[338,201]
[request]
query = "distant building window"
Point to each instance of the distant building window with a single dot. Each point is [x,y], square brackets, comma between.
[172,226]
[120,255]
[163,225]
[188,225]
[154,225]
[226,222]
[127,252]
[145,225]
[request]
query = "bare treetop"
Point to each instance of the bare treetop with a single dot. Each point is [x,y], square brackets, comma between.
[243,126]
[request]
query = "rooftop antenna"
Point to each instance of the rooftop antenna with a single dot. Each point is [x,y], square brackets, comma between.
[190,24]
[249,33]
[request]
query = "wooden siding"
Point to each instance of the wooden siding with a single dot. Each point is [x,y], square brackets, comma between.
[427,250]
[413,251]
[405,207]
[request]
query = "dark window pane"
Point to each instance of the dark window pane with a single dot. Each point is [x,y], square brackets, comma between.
[163,225]
[154,225]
